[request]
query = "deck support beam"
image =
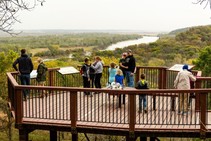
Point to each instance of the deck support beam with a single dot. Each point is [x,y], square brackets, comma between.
[143,139]
[74,137]
[53,135]
[152,138]
[131,137]
[23,135]
[74,134]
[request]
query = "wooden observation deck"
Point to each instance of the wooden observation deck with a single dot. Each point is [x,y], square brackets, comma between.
[65,107]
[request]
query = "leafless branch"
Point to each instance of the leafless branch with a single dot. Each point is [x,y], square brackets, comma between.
[207,2]
[9,10]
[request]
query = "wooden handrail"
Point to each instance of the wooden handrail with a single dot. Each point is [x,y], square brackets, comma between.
[73,92]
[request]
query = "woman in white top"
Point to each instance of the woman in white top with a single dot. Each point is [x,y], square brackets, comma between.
[98,67]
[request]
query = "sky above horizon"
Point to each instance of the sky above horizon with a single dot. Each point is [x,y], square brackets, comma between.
[144,15]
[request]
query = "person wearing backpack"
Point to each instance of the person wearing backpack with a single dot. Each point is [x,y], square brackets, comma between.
[86,75]
[142,84]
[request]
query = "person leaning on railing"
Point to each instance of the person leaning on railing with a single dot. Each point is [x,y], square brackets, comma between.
[25,67]
[182,81]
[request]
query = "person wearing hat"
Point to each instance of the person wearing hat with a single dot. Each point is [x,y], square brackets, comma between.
[182,82]
[131,69]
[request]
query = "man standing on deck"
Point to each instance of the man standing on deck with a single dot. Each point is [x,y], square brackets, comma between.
[182,82]
[24,69]
[131,70]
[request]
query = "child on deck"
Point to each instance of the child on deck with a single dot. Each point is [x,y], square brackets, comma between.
[119,78]
[142,84]
[85,74]
[112,73]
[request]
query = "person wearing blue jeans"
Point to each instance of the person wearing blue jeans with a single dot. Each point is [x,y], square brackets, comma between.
[142,84]
[131,69]
[129,78]
[25,80]
[24,69]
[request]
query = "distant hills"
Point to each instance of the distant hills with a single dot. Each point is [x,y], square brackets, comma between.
[63,31]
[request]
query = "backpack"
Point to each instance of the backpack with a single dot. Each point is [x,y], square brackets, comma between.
[142,85]
[81,71]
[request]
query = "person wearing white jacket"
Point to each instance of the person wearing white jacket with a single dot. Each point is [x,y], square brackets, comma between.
[182,82]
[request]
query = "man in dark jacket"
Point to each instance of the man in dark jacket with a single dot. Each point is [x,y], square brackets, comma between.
[24,69]
[131,70]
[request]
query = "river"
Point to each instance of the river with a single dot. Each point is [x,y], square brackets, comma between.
[145,39]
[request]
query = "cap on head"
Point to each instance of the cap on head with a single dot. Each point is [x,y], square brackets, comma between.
[185,67]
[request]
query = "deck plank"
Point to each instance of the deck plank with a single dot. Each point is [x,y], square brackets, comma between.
[102,110]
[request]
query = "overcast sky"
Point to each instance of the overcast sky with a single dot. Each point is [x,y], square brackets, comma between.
[147,15]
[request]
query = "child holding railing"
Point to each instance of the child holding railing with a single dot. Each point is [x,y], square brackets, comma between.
[142,84]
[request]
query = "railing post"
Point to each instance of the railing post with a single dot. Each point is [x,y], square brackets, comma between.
[73,114]
[18,106]
[137,74]
[197,95]
[53,135]
[23,135]
[203,115]
[164,78]
[10,93]
[132,117]
[51,78]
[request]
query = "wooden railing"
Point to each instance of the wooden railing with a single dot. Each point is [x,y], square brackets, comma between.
[63,103]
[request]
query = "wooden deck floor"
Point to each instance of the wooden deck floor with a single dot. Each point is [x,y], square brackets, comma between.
[102,110]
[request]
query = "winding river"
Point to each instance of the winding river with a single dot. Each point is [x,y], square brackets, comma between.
[145,39]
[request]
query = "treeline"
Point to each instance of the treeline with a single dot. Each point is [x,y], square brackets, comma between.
[184,47]
[99,40]
[191,46]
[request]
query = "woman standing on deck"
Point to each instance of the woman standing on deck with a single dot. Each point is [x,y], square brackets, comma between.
[41,74]
[98,67]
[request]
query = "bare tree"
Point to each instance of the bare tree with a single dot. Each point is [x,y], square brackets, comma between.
[9,10]
[206,2]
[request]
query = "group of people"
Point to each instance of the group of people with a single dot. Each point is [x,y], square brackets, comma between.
[25,67]
[92,74]
[121,74]
[127,69]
